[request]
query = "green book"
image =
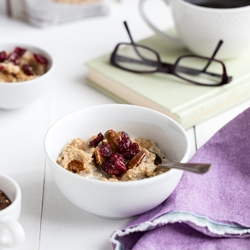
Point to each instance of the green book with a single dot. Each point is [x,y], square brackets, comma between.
[186,103]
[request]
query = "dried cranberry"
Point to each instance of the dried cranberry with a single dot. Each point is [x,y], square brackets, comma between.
[105,150]
[20,51]
[106,165]
[14,57]
[3,56]
[124,142]
[1,67]
[116,156]
[28,70]
[96,140]
[132,151]
[40,59]
[117,168]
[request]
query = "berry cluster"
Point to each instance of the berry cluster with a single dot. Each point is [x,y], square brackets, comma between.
[15,58]
[113,152]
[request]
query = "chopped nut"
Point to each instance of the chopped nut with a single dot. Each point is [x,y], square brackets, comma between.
[113,138]
[136,160]
[76,166]
[98,158]
[4,201]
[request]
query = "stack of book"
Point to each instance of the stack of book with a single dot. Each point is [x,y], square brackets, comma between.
[186,103]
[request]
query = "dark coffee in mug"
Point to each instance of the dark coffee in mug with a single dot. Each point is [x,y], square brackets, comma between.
[220,4]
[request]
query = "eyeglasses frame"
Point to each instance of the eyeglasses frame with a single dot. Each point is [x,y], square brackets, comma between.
[168,68]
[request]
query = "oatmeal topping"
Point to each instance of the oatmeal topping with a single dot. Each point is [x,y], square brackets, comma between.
[113,156]
[137,159]
[4,201]
[76,166]
[21,65]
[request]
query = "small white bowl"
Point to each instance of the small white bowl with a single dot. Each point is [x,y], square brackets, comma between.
[117,199]
[12,232]
[20,94]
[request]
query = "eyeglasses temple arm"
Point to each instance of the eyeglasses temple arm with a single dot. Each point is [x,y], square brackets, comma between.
[129,34]
[132,42]
[214,54]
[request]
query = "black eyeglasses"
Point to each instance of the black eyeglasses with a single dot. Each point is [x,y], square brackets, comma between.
[199,70]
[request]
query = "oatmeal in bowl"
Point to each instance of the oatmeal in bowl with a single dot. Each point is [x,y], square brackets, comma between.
[21,65]
[112,156]
[25,72]
[75,147]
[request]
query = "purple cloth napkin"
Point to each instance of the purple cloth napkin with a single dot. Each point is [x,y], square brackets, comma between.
[210,211]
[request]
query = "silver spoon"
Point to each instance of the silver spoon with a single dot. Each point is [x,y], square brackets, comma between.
[199,168]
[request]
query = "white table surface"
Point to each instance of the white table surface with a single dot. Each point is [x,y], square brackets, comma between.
[50,221]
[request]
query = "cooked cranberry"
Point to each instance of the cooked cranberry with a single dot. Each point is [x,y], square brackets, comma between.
[105,150]
[3,56]
[14,57]
[40,59]
[28,70]
[20,51]
[96,140]
[1,67]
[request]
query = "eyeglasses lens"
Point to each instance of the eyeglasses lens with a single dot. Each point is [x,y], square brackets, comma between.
[136,58]
[200,70]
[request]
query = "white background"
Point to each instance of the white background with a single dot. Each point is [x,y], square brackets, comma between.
[50,221]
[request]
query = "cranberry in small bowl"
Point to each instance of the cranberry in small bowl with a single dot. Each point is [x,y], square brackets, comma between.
[90,130]
[24,74]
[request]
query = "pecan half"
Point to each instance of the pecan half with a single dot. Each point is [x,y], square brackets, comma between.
[113,138]
[98,158]
[76,166]
[137,159]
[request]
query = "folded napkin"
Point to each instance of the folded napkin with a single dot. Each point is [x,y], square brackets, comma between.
[210,211]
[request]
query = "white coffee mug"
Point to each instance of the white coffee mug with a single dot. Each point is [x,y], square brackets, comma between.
[200,28]
[11,231]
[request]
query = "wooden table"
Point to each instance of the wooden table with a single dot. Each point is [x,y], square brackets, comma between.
[50,221]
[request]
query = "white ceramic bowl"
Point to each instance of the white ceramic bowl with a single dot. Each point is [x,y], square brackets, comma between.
[20,94]
[116,199]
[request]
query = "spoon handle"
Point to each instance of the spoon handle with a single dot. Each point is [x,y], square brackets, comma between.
[200,168]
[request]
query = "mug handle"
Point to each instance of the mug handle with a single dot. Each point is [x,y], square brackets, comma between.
[16,231]
[165,36]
